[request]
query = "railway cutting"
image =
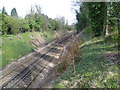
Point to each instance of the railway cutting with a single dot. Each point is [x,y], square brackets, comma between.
[32,71]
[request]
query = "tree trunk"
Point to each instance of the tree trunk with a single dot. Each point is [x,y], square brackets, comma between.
[107,29]
[107,33]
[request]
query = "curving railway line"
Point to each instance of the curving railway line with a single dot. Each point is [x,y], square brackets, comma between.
[26,71]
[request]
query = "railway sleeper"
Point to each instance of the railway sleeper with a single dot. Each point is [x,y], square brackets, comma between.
[28,74]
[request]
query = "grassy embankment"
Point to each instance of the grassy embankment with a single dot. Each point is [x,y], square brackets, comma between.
[15,46]
[95,67]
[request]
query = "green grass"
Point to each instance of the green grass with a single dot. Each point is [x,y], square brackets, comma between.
[49,36]
[15,47]
[93,70]
[12,49]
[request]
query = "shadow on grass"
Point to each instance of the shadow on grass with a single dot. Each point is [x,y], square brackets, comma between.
[93,70]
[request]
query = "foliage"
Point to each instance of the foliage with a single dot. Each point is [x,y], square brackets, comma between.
[102,17]
[24,26]
[60,23]
[52,24]
[82,18]
[93,69]
[14,12]
[10,25]
[113,16]
[4,11]
[15,46]
[97,15]
[33,21]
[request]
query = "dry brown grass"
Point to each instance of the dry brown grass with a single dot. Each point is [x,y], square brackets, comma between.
[70,51]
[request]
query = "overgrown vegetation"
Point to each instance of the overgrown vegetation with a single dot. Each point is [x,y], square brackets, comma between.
[97,65]
[93,67]
[15,46]
[101,17]
[70,51]
[33,21]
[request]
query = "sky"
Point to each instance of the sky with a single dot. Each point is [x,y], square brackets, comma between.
[52,8]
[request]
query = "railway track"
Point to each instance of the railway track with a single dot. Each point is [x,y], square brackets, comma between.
[27,71]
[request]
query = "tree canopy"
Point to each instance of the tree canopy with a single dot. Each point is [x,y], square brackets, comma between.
[102,17]
[33,21]
[4,11]
[14,12]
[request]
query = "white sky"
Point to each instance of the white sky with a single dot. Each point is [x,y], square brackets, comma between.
[52,8]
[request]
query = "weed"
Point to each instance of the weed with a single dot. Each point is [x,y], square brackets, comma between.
[70,51]
[15,46]
[93,70]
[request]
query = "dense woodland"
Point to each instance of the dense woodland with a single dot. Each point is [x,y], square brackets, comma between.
[34,21]
[101,18]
